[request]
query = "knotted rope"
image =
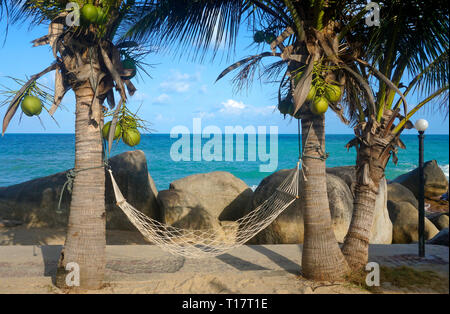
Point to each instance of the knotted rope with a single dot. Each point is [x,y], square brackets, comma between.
[71,175]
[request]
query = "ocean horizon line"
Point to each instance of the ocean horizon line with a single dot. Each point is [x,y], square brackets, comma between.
[146,134]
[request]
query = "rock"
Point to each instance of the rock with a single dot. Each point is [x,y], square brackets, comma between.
[341,205]
[36,202]
[183,210]
[131,173]
[220,193]
[288,227]
[436,183]
[399,193]
[405,218]
[440,239]
[441,221]
[346,173]
[382,225]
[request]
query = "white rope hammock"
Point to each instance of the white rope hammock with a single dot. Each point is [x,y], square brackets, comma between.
[212,242]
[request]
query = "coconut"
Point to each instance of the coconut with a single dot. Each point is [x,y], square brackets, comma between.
[312,94]
[259,37]
[117,132]
[129,64]
[269,37]
[333,93]
[284,106]
[31,106]
[319,106]
[89,13]
[131,137]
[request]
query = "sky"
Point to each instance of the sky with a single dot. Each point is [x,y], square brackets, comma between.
[178,91]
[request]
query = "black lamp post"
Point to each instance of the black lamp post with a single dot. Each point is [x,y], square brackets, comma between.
[421,126]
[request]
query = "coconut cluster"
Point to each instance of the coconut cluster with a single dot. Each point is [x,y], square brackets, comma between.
[318,100]
[91,14]
[126,129]
[264,36]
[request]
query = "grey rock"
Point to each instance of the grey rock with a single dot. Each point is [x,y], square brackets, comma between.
[35,202]
[288,227]
[220,193]
[405,218]
[441,221]
[440,239]
[436,183]
[346,173]
[399,193]
[183,210]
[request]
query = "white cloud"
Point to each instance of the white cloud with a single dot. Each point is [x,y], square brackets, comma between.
[140,96]
[180,82]
[232,107]
[161,99]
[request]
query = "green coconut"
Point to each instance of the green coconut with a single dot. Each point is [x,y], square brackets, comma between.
[31,106]
[269,37]
[117,132]
[285,106]
[319,106]
[131,137]
[333,93]
[89,13]
[312,94]
[129,64]
[259,37]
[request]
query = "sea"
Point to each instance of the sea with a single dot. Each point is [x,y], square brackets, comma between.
[25,157]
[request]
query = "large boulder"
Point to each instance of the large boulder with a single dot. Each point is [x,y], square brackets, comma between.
[436,183]
[36,202]
[220,193]
[288,227]
[346,173]
[382,225]
[441,221]
[440,239]
[183,210]
[130,170]
[405,218]
[399,193]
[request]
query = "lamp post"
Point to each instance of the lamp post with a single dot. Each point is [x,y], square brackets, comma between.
[421,126]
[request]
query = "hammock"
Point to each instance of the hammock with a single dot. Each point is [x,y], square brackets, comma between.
[212,242]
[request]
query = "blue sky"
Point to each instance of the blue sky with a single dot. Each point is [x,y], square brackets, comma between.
[178,91]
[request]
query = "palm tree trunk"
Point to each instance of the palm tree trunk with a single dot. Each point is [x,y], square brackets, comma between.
[85,242]
[322,258]
[371,163]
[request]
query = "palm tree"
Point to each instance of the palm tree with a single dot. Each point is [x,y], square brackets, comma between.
[88,61]
[327,43]
[413,39]
[308,38]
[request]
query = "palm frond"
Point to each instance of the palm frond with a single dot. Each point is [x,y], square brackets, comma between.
[194,26]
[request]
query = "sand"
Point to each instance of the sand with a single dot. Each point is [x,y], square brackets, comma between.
[28,259]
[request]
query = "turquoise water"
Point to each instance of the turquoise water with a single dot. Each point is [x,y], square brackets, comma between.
[28,156]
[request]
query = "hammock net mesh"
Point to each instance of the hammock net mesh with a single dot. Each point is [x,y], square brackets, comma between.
[212,242]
